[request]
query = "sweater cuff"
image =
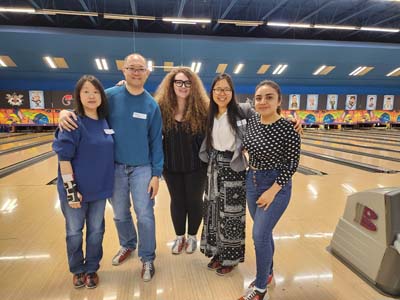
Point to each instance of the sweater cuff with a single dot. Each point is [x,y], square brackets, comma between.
[156,172]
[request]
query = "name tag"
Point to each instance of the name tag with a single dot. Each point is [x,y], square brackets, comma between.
[109,131]
[139,116]
[241,122]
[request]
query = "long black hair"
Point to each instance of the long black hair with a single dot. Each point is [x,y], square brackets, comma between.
[233,109]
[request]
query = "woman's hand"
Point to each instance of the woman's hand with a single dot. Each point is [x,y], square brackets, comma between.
[268,196]
[76,204]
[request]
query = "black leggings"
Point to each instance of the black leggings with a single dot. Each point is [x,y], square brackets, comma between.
[186,190]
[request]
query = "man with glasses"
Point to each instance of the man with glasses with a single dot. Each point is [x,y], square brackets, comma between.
[136,121]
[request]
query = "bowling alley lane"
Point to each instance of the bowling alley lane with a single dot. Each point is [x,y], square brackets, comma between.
[18,156]
[26,142]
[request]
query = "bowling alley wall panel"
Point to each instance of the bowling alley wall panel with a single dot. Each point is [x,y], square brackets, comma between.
[36,107]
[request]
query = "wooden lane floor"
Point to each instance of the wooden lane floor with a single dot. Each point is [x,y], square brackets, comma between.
[33,262]
[26,142]
[355,157]
[355,147]
[18,156]
[25,137]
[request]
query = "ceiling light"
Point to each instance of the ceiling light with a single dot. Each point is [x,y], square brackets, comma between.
[196,67]
[150,65]
[101,64]
[338,27]
[279,69]
[323,70]
[186,20]
[361,71]
[395,72]
[238,68]
[50,62]
[283,24]
[128,17]
[17,10]
[379,29]
[2,63]
[240,22]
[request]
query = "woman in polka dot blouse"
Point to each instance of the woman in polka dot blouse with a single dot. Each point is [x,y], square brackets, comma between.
[273,146]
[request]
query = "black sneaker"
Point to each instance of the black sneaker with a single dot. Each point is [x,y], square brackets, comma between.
[78,280]
[92,280]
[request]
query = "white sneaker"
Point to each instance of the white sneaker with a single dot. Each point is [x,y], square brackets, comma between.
[179,243]
[191,244]
[122,254]
[148,270]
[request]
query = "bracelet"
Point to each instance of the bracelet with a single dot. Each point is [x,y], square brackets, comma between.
[72,192]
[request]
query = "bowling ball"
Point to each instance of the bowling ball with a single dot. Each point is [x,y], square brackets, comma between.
[41,119]
[384,118]
[328,119]
[309,119]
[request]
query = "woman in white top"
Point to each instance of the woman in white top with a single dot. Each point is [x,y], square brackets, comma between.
[223,235]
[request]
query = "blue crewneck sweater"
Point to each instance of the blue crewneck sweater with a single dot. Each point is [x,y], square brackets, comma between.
[91,153]
[136,120]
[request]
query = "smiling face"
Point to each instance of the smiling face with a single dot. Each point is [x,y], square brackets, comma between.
[267,101]
[135,71]
[222,94]
[182,86]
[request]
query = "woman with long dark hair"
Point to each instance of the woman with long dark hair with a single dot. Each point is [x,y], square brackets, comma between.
[223,235]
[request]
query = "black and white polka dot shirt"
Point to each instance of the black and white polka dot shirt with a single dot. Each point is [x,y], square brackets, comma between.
[273,147]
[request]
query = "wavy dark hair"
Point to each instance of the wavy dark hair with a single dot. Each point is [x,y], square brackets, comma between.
[102,110]
[233,109]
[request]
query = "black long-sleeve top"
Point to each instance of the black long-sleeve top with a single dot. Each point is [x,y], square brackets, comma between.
[274,146]
[181,149]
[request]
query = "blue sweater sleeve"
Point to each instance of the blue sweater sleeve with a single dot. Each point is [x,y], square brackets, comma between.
[155,141]
[65,143]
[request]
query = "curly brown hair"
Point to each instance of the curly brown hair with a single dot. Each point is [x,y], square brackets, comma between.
[196,110]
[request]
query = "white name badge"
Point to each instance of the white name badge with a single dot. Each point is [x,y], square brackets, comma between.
[109,131]
[139,116]
[241,122]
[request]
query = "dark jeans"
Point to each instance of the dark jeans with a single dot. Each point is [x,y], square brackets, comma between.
[257,182]
[93,214]
[186,190]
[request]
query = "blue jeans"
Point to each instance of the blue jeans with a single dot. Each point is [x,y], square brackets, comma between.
[135,181]
[257,182]
[93,214]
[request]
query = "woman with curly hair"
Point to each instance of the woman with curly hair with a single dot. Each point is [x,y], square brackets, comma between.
[184,106]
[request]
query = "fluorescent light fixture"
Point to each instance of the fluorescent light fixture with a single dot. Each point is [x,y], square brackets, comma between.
[238,68]
[279,69]
[196,67]
[353,73]
[104,62]
[50,62]
[67,12]
[284,24]
[392,73]
[338,27]
[150,65]
[186,20]
[379,29]
[2,63]
[128,17]
[101,64]
[319,70]
[17,10]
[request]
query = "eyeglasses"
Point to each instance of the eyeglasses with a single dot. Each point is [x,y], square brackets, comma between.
[180,83]
[220,91]
[135,70]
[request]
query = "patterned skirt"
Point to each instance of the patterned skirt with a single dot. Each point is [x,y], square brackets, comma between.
[224,211]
